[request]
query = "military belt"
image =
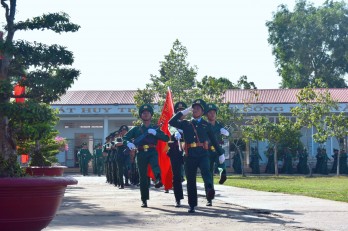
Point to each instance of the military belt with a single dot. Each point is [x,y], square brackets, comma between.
[194,145]
[146,147]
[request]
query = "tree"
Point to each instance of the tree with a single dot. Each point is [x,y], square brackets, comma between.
[43,70]
[310,43]
[176,73]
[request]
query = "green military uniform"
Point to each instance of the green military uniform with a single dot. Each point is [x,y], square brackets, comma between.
[146,151]
[197,133]
[122,159]
[302,166]
[107,157]
[213,155]
[321,165]
[175,154]
[85,156]
[99,159]
[287,163]
[255,161]
[114,169]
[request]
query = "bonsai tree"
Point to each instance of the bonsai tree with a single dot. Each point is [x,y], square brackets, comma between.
[42,70]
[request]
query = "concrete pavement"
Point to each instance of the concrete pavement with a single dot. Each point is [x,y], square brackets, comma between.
[94,205]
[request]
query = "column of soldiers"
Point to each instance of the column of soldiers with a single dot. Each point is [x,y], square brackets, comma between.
[189,144]
[119,166]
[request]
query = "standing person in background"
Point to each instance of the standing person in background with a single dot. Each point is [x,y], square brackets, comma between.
[219,131]
[145,138]
[122,157]
[197,133]
[85,156]
[175,154]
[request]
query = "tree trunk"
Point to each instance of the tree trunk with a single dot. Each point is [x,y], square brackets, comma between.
[7,145]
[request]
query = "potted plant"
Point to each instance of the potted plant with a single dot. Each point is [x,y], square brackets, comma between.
[37,137]
[32,75]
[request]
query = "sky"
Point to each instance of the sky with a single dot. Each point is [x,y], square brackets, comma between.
[122,42]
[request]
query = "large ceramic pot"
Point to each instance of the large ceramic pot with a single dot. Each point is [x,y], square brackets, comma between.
[45,170]
[30,203]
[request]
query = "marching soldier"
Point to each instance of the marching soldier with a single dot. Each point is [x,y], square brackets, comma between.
[197,133]
[114,169]
[85,156]
[145,140]
[219,132]
[175,154]
[122,157]
[107,158]
[98,155]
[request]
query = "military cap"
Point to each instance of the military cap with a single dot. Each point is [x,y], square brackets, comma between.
[145,107]
[199,102]
[113,134]
[211,106]
[123,127]
[179,105]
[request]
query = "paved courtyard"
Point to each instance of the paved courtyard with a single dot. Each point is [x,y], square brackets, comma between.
[95,205]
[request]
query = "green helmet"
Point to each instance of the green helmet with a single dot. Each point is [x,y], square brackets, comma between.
[211,106]
[179,105]
[145,107]
[199,102]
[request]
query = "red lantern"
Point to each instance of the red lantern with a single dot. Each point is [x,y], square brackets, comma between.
[19,90]
[24,158]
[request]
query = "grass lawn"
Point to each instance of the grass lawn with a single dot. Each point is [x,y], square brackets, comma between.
[326,187]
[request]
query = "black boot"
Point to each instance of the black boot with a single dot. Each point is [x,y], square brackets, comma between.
[210,194]
[144,204]
[191,209]
[158,183]
[209,203]
[223,178]
[177,204]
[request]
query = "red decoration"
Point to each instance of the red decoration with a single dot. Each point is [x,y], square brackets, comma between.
[24,158]
[19,90]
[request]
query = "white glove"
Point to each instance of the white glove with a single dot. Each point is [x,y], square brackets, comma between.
[224,132]
[186,111]
[181,131]
[177,135]
[152,131]
[131,146]
[221,158]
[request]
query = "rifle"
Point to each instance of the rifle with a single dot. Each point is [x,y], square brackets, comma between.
[138,140]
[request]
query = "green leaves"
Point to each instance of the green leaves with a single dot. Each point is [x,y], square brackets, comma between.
[57,22]
[310,43]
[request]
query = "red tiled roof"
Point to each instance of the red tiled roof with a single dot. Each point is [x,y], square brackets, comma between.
[276,96]
[231,96]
